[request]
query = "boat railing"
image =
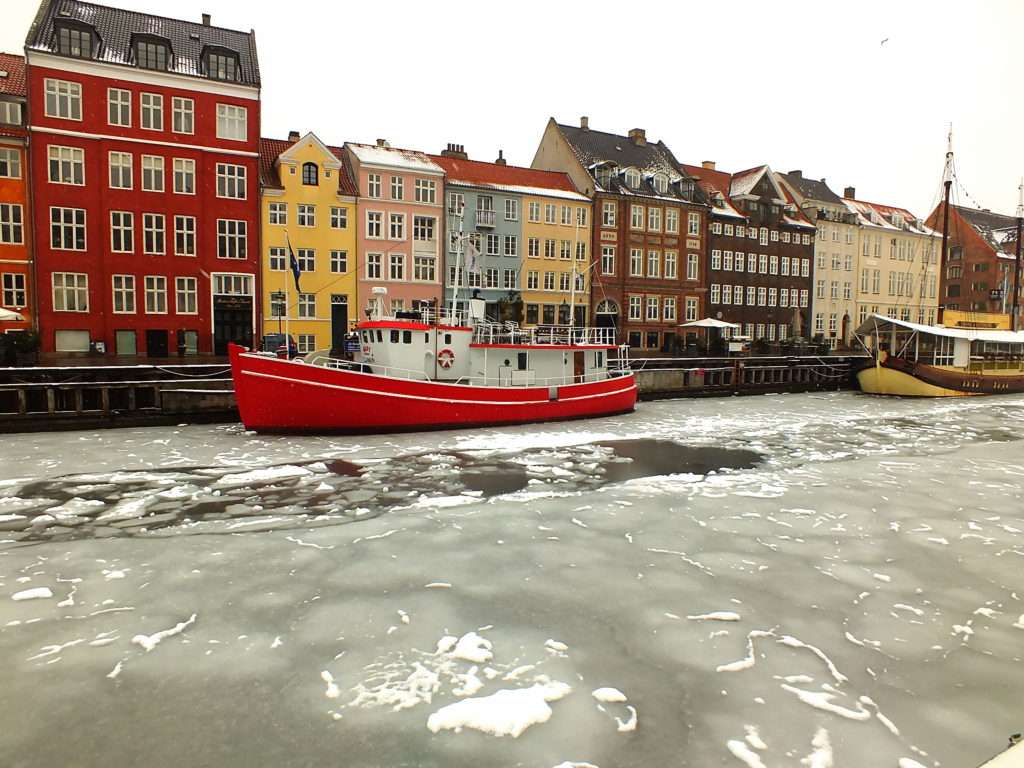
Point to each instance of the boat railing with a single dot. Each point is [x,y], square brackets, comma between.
[550,335]
[391,371]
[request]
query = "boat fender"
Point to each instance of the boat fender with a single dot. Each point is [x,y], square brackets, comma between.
[446,358]
[552,394]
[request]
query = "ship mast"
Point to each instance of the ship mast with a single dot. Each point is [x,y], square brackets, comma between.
[947,182]
[1016,260]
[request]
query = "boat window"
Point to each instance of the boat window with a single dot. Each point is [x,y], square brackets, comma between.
[366,337]
[600,359]
[394,337]
[426,337]
[407,337]
[447,338]
[380,336]
[521,363]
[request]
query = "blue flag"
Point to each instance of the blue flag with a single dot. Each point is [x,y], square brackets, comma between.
[293,263]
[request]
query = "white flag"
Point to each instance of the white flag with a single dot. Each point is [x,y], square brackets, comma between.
[471,257]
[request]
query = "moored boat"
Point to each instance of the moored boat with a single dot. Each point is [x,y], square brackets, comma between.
[415,372]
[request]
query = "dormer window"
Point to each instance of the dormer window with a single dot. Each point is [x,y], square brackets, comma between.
[632,178]
[310,174]
[76,41]
[220,64]
[661,183]
[152,54]
[897,220]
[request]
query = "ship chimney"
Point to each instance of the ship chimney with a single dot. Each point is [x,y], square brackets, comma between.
[206,19]
[584,123]
[458,151]
[707,165]
[501,158]
[797,174]
[850,193]
[638,136]
[293,136]
[383,143]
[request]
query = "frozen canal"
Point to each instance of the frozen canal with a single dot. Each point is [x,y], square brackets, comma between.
[801,580]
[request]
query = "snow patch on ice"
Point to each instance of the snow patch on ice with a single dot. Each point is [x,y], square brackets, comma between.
[716,616]
[608,695]
[507,712]
[744,754]
[36,593]
[149,642]
[821,756]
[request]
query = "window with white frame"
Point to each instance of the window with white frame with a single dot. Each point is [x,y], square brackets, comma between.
[672,221]
[739,233]
[834,290]
[231,239]
[716,258]
[764,236]
[773,297]
[509,279]
[232,284]
[635,308]
[636,217]
[426,191]
[119,107]
[693,225]
[153,233]
[511,243]
[549,281]
[305,343]
[396,226]
[63,99]
[565,252]
[12,225]
[581,216]
[278,213]
[566,215]
[374,268]
[339,217]
[550,211]
[728,229]
[737,296]
[424,228]
[533,247]
[534,212]
[511,209]
[232,122]
[307,306]
[396,266]
[305,258]
[10,163]
[727,261]
[152,173]
[715,293]
[186,295]
[549,249]
[532,280]
[493,245]
[803,298]
[608,214]
[67,229]
[691,308]
[151,111]
[607,259]
[122,232]
[692,266]
[397,188]
[563,282]
[819,322]
[339,262]
[668,305]
[14,292]
[184,176]
[763,261]
[784,271]
[653,264]
[654,219]
[124,294]
[70,292]
[774,236]
[785,237]
[636,262]
[306,215]
[751,295]
[653,308]
[581,250]
[716,227]
[10,112]
[671,261]
[727,294]
[806,239]
[66,164]
[373,185]
[424,268]
[231,181]
[773,264]
[805,268]
[762,296]
[183,115]
[184,235]
[156,294]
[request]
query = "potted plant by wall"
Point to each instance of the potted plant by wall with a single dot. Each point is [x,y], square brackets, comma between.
[26,346]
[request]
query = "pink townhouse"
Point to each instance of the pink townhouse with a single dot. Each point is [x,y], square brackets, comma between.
[401,193]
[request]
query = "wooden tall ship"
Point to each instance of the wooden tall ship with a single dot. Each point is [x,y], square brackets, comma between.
[967,353]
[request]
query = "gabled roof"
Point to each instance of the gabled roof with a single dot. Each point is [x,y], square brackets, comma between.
[743,182]
[392,157]
[811,189]
[13,83]
[507,178]
[595,148]
[716,185]
[116,28]
[720,186]
[271,149]
[879,215]
[999,230]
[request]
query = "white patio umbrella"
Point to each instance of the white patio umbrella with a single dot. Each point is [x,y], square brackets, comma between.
[10,316]
[708,322]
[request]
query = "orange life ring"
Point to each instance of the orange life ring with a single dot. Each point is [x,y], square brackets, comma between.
[446,358]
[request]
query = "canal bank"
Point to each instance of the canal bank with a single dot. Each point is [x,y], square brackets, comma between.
[94,397]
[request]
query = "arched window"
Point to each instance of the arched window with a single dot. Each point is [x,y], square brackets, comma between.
[309,174]
[607,307]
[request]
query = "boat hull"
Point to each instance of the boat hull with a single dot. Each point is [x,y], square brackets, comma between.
[898,377]
[275,395]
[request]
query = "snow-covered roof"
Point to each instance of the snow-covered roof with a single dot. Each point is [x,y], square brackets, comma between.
[882,217]
[390,157]
[881,323]
[561,194]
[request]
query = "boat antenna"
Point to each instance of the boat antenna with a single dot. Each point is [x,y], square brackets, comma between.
[1016,271]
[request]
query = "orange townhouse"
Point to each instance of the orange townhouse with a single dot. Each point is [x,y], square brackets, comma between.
[15,254]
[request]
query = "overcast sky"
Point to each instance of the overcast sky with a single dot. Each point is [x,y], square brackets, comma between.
[858,93]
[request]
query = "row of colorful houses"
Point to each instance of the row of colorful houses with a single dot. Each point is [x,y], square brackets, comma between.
[142,214]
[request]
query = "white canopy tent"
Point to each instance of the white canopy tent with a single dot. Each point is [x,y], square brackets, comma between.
[10,316]
[709,322]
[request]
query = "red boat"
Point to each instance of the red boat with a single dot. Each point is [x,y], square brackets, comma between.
[412,374]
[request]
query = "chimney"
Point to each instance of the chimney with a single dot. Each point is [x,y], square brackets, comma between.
[206,19]
[383,143]
[293,136]
[707,165]
[638,136]
[584,123]
[850,193]
[798,174]
[458,151]
[501,158]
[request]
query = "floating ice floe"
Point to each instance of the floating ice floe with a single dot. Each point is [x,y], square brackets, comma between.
[744,754]
[36,593]
[608,695]
[507,712]
[821,755]
[716,616]
[149,642]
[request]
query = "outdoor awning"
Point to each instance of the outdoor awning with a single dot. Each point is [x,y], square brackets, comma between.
[10,316]
[885,324]
[708,322]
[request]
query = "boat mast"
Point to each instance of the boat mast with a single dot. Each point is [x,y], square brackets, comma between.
[1016,260]
[947,182]
[458,265]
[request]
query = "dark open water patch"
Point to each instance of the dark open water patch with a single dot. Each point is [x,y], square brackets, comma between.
[220,500]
